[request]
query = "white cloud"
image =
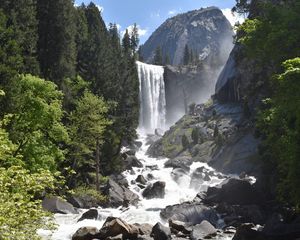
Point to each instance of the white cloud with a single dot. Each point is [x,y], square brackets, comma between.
[172,12]
[233,17]
[101,9]
[141,32]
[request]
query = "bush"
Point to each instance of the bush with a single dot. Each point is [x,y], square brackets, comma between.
[185,142]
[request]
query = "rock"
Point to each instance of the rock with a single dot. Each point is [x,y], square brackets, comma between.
[57,205]
[138,144]
[180,162]
[76,201]
[193,213]
[155,190]
[132,161]
[85,233]
[234,191]
[178,173]
[120,179]
[159,132]
[178,226]
[160,232]
[116,226]
[200,175]
[152,167]
[248,232]
[150,176]
[144,229]
[118,195]
[130,152]
[84,201]
[89,214]
[141,179]
[151,138]
[118,237]
[203,231]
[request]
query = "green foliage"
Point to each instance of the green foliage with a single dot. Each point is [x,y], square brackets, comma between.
[21,215]
[185,142]
[88,123]
[83,191]
[280,126]
[35,125]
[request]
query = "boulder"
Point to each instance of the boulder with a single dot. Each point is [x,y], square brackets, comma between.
[144,229]
[85,201]
[234,191]
[58,205]
[85,233]
[155,190]
[180,162]
[118,195]
[120,179]
[178,226]
[178,173]
[192,213]
[89,214]
[203,230]
[248,232]
[132,161]
[200,175]
[160,232]
[116,226]
[141,179]
[152,167]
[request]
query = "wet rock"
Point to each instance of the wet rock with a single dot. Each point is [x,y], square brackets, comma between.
[198,177]
[85,233]
[116,226]
[118,195]
[120,179]
[58,205]
[141,179]
[141,186]
[130,152]
[132,161]
[204,230]
[155,190]
[118,237]
[160,232]
[144,229]
[178,226]
[178,173]
[138,144]
[152,167]
[150,176]
[152,138]
[190,213]
[89,214]
[234,191]
[179,162]
[248,232]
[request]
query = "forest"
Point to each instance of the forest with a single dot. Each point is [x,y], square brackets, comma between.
[69,101]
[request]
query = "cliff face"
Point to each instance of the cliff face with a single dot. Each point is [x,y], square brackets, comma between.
[206,31]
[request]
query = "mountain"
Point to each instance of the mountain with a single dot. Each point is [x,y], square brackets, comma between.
[205,31]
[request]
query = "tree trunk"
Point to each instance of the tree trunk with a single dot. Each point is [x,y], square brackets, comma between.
[97,166]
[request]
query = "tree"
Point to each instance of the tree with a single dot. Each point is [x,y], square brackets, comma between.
[21,17]
[134,38]
[35,126]
[186,55]
[158,56]
[126,42]
[56,45]
[88,123]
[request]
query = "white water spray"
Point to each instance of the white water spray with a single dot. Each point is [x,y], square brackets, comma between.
[152,97]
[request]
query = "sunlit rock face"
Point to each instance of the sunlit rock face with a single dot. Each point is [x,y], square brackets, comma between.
[205,31]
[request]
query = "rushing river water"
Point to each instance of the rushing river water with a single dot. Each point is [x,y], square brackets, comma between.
[147,211]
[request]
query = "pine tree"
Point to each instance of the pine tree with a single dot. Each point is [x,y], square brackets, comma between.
[126,42]
[21,17]
[56,45]
[158,56]
[134,38]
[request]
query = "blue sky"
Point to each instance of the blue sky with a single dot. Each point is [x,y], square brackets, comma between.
[149,14]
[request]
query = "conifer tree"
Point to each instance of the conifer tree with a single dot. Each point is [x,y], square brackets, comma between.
[158,56]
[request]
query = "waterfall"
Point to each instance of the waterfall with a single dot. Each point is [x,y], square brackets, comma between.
[152,97]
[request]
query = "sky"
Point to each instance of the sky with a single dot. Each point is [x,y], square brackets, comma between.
[150,14]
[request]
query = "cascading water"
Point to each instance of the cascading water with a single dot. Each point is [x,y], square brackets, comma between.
[152,97]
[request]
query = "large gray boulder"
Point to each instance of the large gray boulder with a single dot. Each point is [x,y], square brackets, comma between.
[85,233]
[190,213]
[203,230]
[160,232]
[155,190]
[58,205]
[118,195]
